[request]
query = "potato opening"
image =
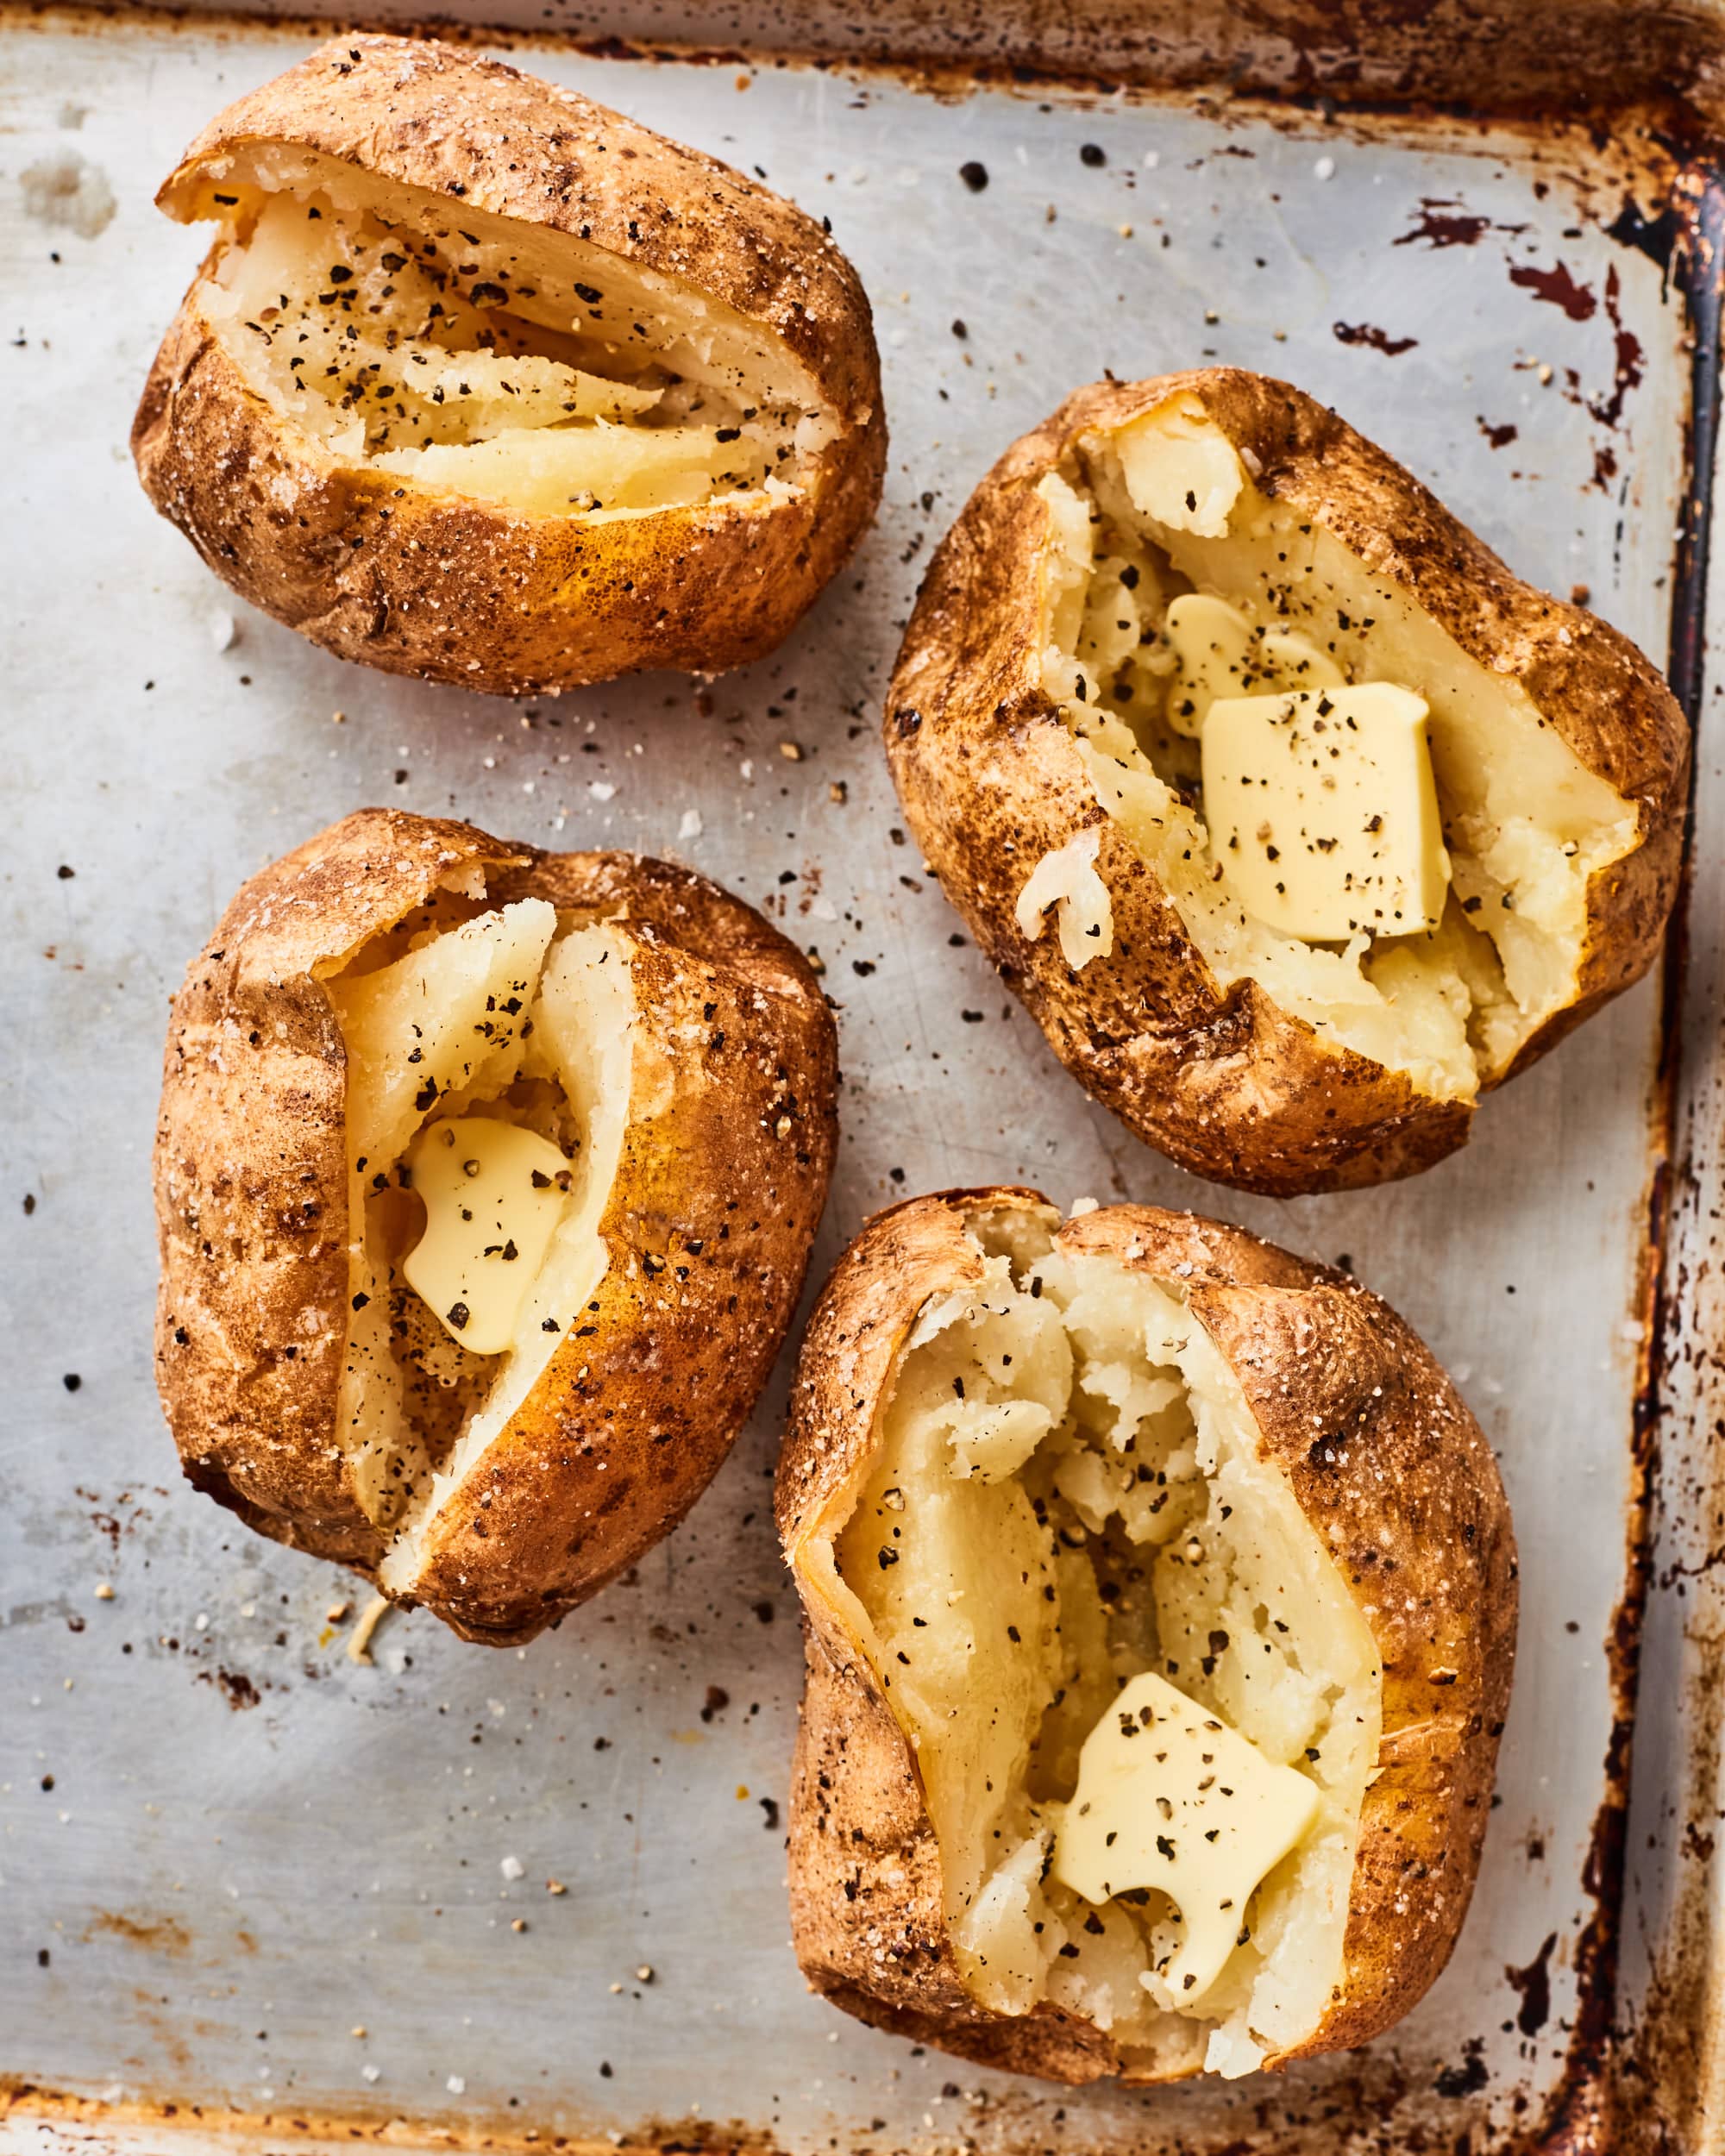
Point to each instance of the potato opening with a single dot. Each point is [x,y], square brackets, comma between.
[1069,1512]
[488,1079]
[1153,523]
[470,354]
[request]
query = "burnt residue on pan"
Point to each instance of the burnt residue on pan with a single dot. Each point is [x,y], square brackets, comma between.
[1542,59]
[1369,334]
[156,1934]
[1450,224]
[1665,2057]
[248,2132]
[1600,2106]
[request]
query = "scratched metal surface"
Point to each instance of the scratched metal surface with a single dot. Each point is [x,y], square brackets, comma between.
[224,1849]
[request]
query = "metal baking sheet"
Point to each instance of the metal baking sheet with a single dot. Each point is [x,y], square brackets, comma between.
[249,1888]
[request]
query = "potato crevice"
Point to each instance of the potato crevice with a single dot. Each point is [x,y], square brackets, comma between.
[467,1010]
[1164,507]
[1068,1490]
[468,353]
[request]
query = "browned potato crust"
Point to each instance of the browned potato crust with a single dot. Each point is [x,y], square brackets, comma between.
[723,1173]
[1400,1487]
[1224,1079]
[421,580]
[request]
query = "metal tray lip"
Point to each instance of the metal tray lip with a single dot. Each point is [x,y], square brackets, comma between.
[1580,2117]
[1675,129]
[1209,73]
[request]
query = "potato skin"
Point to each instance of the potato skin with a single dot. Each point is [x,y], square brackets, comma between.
[1402,1490]
[454,589]
[1227,1082]
[718,1193]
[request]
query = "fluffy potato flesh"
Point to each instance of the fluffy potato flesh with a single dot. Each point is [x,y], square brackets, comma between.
[488,1080]
[1068,1510]
[474,355]
[1161,517]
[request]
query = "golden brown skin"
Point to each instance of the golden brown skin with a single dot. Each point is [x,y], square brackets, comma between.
[464,591]
[1227,1082]
[718,1193]
[1402,1490]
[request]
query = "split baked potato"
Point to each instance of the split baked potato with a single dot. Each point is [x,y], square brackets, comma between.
[1297,820]
[482,381]
[486,1181]
[1160,1596]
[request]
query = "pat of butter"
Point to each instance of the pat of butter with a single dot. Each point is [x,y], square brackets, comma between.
[1218,653]
[494,1195]
[1170,1797]
[1323,812]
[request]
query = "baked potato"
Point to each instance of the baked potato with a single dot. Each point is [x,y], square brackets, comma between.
[1160,1602]
[485,1180]
[484,382]
[1297,821]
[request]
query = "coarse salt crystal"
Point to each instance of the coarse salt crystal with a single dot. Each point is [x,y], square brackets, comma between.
[512,1867]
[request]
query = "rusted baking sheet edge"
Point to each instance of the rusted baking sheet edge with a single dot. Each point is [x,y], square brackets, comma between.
[1550,60]
[1586,2121]
[139,2127]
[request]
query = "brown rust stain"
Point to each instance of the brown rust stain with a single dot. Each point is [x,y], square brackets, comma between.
[156,1934]
[1442,221]
[1627,356]
[1534,1984]
[1368,332]
[1557,288]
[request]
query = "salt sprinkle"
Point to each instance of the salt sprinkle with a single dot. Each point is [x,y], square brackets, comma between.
[512,1867]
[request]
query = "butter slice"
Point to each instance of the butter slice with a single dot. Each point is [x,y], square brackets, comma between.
[1216,653]
[1169,1796]
[1323,812]
[493,1194]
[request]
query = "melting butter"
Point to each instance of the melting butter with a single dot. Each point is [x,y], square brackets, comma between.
[1322,810]
[494,1195]
[1169,1796]
[1218,653]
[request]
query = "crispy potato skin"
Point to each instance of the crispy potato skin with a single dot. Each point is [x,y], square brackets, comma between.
[459,590]
[718,1191]
[1227,1082]
[1406,1496]
[251,1177]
